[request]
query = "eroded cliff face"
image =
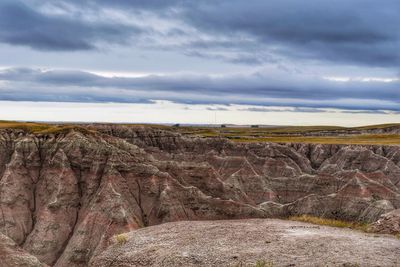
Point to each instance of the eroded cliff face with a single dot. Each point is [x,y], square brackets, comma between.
[64,195]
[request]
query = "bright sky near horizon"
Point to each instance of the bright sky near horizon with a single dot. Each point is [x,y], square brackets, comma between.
[165,112]
[183,61]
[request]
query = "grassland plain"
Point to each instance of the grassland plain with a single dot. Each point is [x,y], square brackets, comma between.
[365,135]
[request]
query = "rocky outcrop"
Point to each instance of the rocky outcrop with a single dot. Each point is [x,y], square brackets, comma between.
[64,195]
[12,255]
[388,223]
[248,242]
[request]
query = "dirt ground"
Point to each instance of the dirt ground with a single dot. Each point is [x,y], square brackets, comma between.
[268,242]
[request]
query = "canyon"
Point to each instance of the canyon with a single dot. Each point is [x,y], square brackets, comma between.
[65,194]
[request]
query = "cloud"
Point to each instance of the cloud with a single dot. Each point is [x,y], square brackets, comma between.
[277,89]
[216,109]
[294,37]
[295,109]
[148,4]
[316,110]
[358,32]
[21,24]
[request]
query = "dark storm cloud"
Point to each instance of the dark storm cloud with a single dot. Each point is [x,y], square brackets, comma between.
[360,32]
[256,89]
[147,4]
[21,24]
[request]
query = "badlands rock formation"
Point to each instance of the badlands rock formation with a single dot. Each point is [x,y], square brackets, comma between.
[13,255]
[388,223]
[63,195]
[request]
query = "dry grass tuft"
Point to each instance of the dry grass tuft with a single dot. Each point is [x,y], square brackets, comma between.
[330,222]
[121,239]
[263,263]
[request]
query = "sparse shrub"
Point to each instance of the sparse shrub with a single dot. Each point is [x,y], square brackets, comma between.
[398,235]
[263,263]
[121,239]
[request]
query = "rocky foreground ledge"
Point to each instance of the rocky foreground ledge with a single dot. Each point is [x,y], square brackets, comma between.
[247,242]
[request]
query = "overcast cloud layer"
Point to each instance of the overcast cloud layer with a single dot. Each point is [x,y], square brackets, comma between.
[342,54]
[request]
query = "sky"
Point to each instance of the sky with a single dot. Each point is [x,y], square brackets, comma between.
[276,62]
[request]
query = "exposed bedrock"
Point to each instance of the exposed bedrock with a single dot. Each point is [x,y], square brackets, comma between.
[388,223]
[246,242]
[64,195]
[12,255]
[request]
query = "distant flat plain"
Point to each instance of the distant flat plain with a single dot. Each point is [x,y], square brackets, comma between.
[383,134]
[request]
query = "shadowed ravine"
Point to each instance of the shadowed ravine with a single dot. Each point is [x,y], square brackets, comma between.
[63,195]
